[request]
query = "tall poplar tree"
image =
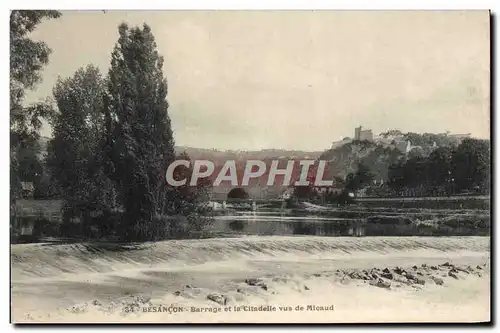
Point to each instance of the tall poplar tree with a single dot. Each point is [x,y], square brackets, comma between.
[140,143]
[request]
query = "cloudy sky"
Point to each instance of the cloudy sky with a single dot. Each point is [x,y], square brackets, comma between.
[297,79]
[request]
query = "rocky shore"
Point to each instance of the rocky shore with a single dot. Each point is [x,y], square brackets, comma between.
[245,295]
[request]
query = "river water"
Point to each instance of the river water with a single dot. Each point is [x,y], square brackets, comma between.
[351,221]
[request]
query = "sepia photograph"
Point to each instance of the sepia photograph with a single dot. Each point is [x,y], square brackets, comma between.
[250,166]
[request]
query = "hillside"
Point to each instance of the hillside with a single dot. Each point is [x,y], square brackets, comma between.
[346,158]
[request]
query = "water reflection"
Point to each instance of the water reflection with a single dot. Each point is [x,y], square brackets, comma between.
[237,225]
[285,223]
[334,223]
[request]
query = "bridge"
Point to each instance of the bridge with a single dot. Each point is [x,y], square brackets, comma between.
[253,203]
[258,193]
[250,200]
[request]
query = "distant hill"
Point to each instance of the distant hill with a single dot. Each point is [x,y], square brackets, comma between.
[345,156]
[220,156]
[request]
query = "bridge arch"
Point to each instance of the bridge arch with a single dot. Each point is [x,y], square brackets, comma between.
[238,193]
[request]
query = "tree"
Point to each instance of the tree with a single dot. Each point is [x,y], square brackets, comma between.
[396,177]
[237,193]
[140,143]
[363,177]
[439,166]
[471,165]
[414,172]
[27,58]
[75,150]
[186,199]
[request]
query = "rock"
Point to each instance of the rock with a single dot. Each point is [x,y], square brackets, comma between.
[188,286]
[424,265]
[388,276]
[437,280]
[453,275]
[252,282]
[401,279]
[479,267]
[257,283]
[280,279]
[434,268]
[143,299]
[399,270]
[375,276]
[306,287]
[381,284]
[345,281]
[416,279]
[415,267]
[478,274]
[177,293]
[420,281]
[217,298]
[420,273]
[317,275]
[386,270]
[447,264]
[96,303]
[461,269]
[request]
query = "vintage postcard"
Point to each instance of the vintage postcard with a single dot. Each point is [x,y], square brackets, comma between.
[250,166]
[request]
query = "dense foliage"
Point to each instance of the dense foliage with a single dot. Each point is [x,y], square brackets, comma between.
[27,59]
[112,143]
[447,170]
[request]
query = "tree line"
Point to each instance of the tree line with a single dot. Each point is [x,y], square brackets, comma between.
[446,170]
[112,139]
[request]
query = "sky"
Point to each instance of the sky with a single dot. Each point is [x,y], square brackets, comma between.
[299,80]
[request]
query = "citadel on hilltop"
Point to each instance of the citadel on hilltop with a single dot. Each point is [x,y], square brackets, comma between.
[362,135]
[395,138]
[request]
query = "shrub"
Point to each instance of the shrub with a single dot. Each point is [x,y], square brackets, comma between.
[389,220]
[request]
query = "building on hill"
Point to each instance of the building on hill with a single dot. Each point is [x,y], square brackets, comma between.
[340,143]
[361,135]
[458,138]
[403,146]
